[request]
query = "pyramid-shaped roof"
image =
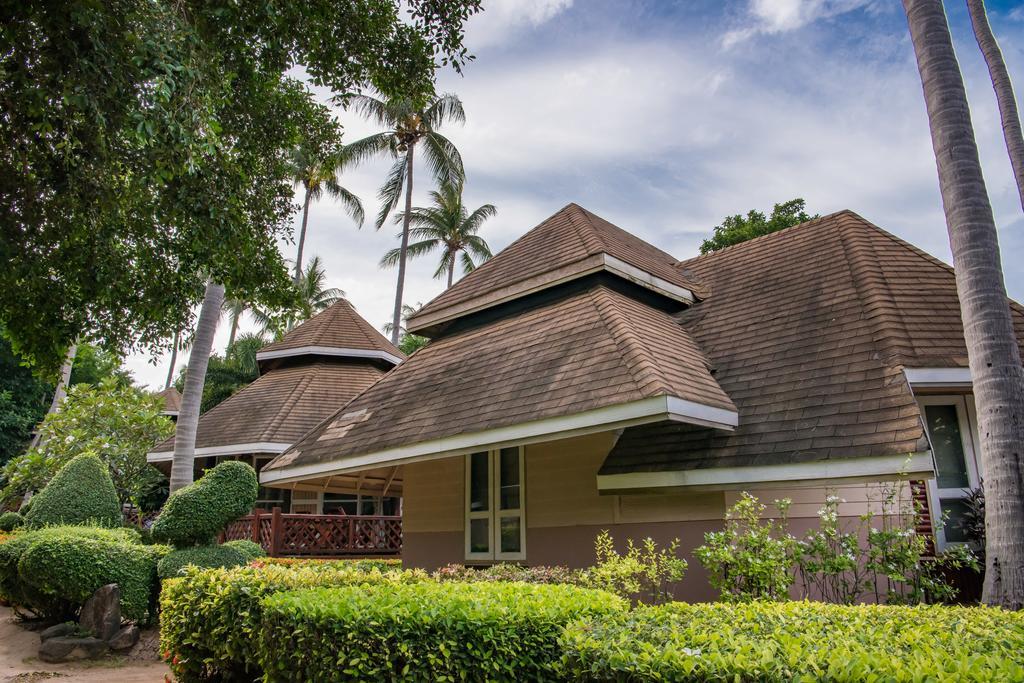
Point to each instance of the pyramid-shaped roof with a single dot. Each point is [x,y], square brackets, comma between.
[570,244]
[335,331]
[172,400]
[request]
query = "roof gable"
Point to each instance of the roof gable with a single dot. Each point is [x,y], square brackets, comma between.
[570,244]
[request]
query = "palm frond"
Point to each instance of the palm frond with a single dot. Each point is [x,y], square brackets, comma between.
[353,207]
[414,250]
[476,219]
[367,148]
[390,192]
[367,106]
[477,246]
[444,160]
[467,263]
[445,108]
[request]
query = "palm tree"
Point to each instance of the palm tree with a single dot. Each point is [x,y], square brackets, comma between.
[312,297]
[182,466]
[175,344]
[407,125]
[449,226]
[318,176]
[994,358]
[1004,90]
[409,343]
[235,308]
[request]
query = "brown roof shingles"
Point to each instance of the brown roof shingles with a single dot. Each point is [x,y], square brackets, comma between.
[338,326]
[590,350]
[809,330]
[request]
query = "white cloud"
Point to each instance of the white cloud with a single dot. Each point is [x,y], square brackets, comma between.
[501,19]
[778,16]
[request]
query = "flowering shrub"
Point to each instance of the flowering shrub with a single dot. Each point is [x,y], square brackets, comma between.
[643,572]
[509,572]
[751,558]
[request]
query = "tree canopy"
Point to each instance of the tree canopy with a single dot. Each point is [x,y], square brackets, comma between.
[739,228]
[144,143]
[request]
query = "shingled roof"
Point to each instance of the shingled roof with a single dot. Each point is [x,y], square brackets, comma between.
[596,349]
[317,367]
[336,331]
[172,400]
[810,329]
[570,244]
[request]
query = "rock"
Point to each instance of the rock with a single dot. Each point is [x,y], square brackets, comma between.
[67,648]
[101,613]
[65,629]
[125,638]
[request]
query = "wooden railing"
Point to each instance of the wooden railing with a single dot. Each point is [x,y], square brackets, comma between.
[293,535]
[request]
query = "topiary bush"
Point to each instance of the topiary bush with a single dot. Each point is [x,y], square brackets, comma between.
[80,493]
[204,557]
[210,619]
[250,550]
[423,632]
[195,514]
[9,521]
[797,641]
[52,571]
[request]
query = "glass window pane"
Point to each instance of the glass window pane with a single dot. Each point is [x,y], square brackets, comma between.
[479,535]
[479,479]
[944,432]
[954,510]
[367,506]
[340,504]
[509,478]
[510,536]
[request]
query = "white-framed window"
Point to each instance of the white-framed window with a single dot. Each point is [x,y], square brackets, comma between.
[950,421]
[495,504]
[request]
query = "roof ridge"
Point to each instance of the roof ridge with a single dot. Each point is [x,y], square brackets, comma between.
[632,348]
[288,403]
[585,229]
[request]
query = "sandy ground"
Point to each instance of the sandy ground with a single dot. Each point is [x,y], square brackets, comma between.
[18,662]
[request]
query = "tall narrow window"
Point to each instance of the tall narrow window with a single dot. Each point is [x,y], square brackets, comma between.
[495,527]
[948,421]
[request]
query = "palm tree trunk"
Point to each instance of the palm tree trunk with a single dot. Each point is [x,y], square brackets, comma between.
[61,390]
[396,320]
[451,271]
[174,359]
[235,315]
[302,237]
[182,466]
[1004,90]
[992,350]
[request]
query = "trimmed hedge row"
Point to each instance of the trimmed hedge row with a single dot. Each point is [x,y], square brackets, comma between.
[80,493]
[210,619]
[797,641]
[195,514]
[384,565]
[424,632]
[204,557]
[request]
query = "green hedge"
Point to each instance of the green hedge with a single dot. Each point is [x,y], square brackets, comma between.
[195,514]
[80,493]
[9,521]
[203,556]
[384,565]
[798,641]
[210,619]
[423,632]
[53,571]
[249,549]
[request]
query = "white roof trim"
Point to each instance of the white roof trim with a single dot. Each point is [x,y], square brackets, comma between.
[329,351]
[231,449]
[848,469]
[645,279]
[938,377]
[644,411]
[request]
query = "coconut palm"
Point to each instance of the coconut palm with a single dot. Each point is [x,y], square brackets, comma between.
[992,351]
[448,226]
[408,343]
[408,125]
[235,308]
[182,466]
[175,345]
[319,176]
[312,297]
[1004,90]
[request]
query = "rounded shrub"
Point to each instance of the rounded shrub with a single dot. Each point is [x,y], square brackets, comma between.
[210,619]
[424,632]
[80,493]
[797,641]
[9,521]
[202,556]
[195,514]
[250,550]
[59,568]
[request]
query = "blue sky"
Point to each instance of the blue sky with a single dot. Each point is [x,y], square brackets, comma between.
[663,117]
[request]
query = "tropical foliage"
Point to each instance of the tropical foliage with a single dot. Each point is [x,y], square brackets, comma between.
[739,228]
[643,572]
[226,374]
[447,226]
[311,297]
[408,343]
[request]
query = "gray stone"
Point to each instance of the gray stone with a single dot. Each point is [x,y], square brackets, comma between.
[68,648]
[125,638]
[65,629]
[101,613]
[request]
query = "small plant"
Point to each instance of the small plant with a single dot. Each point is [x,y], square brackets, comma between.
[9,521]
[830,559]
[80,493]
[643,572]
[751,558]
[509,572]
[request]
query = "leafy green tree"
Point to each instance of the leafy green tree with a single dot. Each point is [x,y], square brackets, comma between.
[408,123]
[143,149]
[738,228]
[448,226]
[312,297]
[117,423]
[93,365]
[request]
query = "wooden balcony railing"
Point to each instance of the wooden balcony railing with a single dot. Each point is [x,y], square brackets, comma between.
[293,535]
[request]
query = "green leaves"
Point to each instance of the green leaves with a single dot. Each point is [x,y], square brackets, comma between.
[738,228]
